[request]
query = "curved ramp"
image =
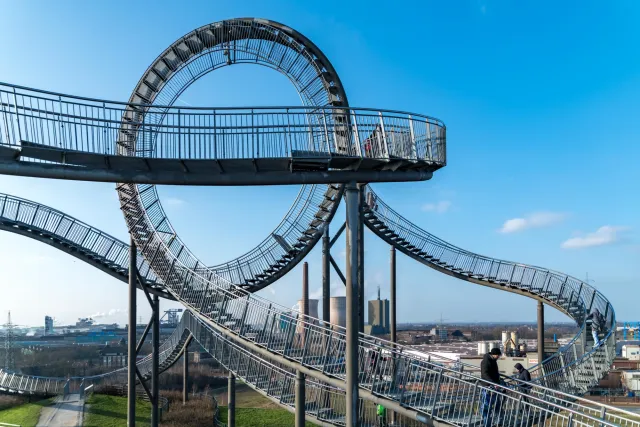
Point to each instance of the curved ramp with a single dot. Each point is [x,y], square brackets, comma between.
[578,365]
[280,331]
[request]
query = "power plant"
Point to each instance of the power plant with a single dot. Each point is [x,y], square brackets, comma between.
[379,323]
[338,311]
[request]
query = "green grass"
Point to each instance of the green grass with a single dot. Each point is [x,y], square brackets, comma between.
[258,417]
[111,411]
[24,415]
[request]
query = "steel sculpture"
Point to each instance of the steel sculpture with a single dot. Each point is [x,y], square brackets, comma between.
[148,141]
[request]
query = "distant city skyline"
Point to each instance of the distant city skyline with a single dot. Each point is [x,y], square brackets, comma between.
[541,141]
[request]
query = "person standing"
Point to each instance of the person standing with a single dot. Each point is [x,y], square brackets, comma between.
[490,398]
[381,411]
[598,325]
[524,378]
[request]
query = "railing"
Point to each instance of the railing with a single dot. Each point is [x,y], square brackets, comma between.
[71,232]
[75,124]
[575,367]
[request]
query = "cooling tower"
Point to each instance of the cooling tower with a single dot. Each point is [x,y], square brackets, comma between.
[337,311]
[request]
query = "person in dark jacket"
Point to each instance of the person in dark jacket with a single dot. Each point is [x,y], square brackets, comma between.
[489,366]
[491,400]
[598,325]
[525,378]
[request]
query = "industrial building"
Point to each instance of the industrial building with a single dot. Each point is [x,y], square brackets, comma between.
[48,325]
[378,317]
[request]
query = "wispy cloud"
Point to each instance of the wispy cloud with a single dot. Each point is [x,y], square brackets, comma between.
[534,220]
[109,313]
[317,294]
[604,235]
[174,201]
[438,207]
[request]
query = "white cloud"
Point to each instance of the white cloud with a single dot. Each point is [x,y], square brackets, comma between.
[174,201]
[535,220]
[317,294]
[110,313]
[439,207]
[604,235]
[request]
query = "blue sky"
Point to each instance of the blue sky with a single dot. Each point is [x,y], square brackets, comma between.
[540,103]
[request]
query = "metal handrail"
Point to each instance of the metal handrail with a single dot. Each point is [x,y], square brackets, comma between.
[27,210]
[65,124]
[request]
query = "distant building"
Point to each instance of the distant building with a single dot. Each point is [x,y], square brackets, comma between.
[114,356]
[378,316]
[48,325]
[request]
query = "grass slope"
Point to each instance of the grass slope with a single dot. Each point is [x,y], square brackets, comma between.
[111,411]
[258,417]
[25,415]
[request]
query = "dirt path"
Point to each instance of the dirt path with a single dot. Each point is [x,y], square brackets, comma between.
[64,412]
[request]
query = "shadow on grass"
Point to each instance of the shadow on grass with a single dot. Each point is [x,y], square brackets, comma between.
[113,415]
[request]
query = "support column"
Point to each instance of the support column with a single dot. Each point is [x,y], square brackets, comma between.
[300,399]
[326,272]
[305,289]
[392,310]
[392,298]
[231,398]
[155,362]
[361,188]
[185,376]
[540,332]
[304,303]
[351,406]
[131,338]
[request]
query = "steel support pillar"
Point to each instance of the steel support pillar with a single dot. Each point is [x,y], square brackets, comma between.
[540,332]
[131,338]
[155,362]
[326,274]
[231,404]
[392,298]
[361,188]
[392,308]
[305,298]
[353,211]
[300,399]
[185,376]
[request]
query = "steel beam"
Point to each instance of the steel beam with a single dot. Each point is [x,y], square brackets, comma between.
[131,343]
[155,362]
[392,310]
[305,298]
[185,376]
[361,226]
[353,211]
[326,276]
[166,177]
[392,298]
[231,400]
[540,332]
[300,400]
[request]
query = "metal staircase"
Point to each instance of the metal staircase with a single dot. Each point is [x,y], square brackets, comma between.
[577,366]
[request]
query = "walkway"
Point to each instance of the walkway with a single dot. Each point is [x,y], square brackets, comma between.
[66,411]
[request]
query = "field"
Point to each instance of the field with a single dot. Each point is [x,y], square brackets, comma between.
[25,414]
[111,411]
